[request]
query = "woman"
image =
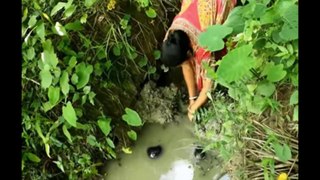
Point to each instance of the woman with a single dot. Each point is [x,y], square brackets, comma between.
[180,46]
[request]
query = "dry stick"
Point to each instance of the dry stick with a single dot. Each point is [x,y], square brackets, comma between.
[293,164]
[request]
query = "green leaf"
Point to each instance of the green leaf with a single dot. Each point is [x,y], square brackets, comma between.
[66,133]
[143,61]
[32,157]
[59,165]
[32,21]
[235,64]
[151,13]
[53,94]
[116,50]
[47,148]
[64,83]
[74,26]
[152,70]
[89,3]
[127,150]
[86,89]
[110,143]
[57,8]
[30,53]
[91,96]
[276,73]
[69,11]
[132,135]
[46,78]
[282,152]
[104,125]
[83,73]
[47,106]
[266,89]
[132,117]
[259,10]
[83,18]
[92,140]
[40,30]
[72,61]
[235,20]
[296,113]
[74,79]
[143,3]
[60,30]
[294,98]
[156,54]
[48,56]
[212,38]
[69,114]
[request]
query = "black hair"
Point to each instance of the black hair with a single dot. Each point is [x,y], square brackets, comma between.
[175,48]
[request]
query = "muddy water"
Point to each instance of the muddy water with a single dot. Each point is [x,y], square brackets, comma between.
[177,161]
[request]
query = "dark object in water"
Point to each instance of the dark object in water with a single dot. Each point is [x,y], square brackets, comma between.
[198,153]
[154,152]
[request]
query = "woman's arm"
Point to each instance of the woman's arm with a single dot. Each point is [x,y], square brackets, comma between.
[189,77]
[207,84]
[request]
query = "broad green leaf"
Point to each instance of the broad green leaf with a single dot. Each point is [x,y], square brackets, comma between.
[151,13]
[69,11]
[86,89]
[143,61]
[152,70]
[132,135]
[288,33]
[48,56]
[257,105]
[47,148]
[276,73]
[46,78]
[30,53]
[132,117]
[47,106]
[156,54]
[83,73]
[53,94]
[89,3]
[60,30]
[235,64]
[69,114]
[251,87]
[64,83]
[259,10]
[212,38]
[32,157]
[282,152]
[127,150]
[92,141]
[32,21]
[294,98]
[110,143]
[40,30]
[57,8]
[296,113]
[83,18]
[74,26]
[104,125]
[66,133]
[235,20]
[266,89]
[116,50]
[72,61]
[74,79]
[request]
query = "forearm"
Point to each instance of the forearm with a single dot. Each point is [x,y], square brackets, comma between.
[202,98]
[189,77]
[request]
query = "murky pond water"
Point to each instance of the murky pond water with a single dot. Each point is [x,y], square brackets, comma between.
[176,162]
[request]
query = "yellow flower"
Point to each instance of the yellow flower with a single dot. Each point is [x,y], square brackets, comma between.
[283,176]
[111,5]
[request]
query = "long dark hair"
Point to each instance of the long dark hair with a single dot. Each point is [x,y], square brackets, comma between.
[176,48]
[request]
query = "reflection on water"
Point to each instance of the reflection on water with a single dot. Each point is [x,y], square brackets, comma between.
[176,162]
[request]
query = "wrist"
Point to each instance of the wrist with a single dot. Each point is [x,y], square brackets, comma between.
[193,97]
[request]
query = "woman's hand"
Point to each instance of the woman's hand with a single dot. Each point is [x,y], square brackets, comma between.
[191,111]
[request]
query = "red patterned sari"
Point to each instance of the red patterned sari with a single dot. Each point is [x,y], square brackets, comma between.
[194,17]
